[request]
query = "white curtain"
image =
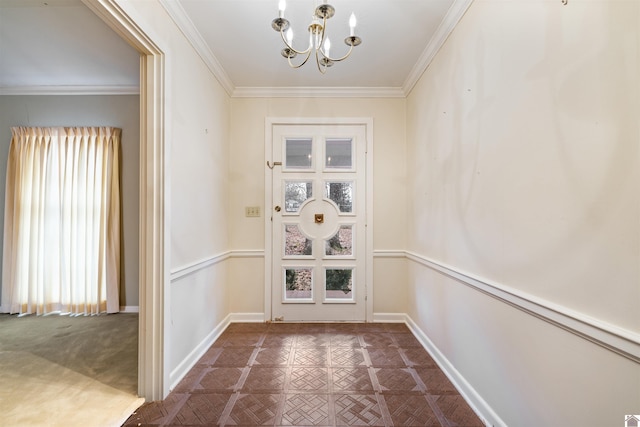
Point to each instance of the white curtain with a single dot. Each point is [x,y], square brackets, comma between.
[62,221]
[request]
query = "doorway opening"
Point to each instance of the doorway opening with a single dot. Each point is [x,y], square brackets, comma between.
[153,381]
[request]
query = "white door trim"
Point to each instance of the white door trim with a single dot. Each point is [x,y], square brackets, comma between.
[270,122]
[153,373]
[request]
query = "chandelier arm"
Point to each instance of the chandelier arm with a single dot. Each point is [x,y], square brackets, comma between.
[299,52]
[292,65]
[338,59]
[317,39]
[320,46]
[324,55]
[322,69]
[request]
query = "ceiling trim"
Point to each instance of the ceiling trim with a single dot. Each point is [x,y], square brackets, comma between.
[318,92]
[70,90]
[186,26]
[446,27]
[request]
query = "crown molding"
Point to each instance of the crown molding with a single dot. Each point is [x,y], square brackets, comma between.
[70,90]
[39,3]
[451,19]
[318,92]
[186,26]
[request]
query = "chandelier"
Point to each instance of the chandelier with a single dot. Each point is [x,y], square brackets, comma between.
[318,42]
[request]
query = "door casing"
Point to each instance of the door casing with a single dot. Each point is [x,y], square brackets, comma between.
[270,122]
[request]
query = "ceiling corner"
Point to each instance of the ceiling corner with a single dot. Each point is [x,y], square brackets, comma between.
[318,92]
[186,26]
[446,27]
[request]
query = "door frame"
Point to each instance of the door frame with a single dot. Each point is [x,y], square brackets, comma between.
[153,371]
[270,122]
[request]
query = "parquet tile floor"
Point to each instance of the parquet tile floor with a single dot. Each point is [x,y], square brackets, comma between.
[276,374]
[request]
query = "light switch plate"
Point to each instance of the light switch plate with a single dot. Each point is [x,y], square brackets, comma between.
[252,211]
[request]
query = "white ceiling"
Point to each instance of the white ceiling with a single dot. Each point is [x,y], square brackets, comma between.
[50,45]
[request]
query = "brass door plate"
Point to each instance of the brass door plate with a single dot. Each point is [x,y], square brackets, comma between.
[319,218]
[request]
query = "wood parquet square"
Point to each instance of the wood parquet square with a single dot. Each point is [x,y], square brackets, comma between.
[297,374]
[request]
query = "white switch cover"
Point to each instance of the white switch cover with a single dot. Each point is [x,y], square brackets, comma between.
[252,211]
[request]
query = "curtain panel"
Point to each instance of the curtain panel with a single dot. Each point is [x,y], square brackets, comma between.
[62,221]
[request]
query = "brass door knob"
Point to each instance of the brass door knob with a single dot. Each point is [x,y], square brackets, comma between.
[277,208]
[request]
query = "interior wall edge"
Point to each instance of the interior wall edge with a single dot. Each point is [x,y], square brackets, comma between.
[318,92]
[183,368]
[618,340]
[182,21]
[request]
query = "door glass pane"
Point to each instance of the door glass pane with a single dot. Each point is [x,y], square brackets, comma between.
[298,153]
[341,193]
[338,154]
[298,284]
[340,243]
[296,243]
[295,193]
[339,283]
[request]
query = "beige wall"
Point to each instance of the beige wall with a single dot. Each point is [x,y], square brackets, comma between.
[198,144]
[122,111]
[247,188]
[196,136]
[524,173]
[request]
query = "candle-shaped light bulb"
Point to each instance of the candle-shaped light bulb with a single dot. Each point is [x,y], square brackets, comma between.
[352,24]
[289,36]
[327,46]
[282,5]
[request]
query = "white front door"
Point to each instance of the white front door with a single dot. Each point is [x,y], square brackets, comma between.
[319,223]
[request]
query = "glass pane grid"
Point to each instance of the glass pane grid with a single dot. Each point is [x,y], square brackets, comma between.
[339,154]
[298,153]
[341,243]
[326,258]
[341,193]
[298,284]
[295,242]
[338,284]
[296,193]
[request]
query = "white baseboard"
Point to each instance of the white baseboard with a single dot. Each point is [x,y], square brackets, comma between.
[246,318]
[129,309]
[192,358]
[389,318]
[470,395]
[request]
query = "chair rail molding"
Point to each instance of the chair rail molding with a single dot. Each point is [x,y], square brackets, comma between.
[621,341]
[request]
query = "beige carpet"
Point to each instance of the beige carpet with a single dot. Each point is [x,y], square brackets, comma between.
[63,371]
[47,394]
